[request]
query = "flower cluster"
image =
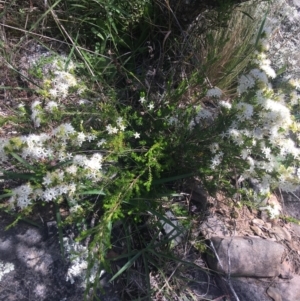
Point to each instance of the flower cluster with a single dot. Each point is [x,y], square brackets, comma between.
[114,130]
[214,92]
[61,82]
[78,256]
[58,76]
[143,100]
[52,148]
[263,131]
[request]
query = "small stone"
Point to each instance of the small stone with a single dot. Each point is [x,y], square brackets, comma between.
[257,230]
[281,233]
[258,222]
[274,294]
[265,216]
[290,290]
[268,225]
[296,229]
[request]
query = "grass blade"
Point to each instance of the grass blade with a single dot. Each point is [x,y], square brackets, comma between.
[129,263]
[92,192]
[21,160]
[59,226]
[6,195]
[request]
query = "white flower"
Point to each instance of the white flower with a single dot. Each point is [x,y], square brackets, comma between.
[61,156]
[53,93]
[72,169]
[136,135]
[268,69]
[223,135]
[81,138]
[122,127]
[266,151]
[91,137]
[114,130]
[142,100]
[60,175]
[245,82]
[295,82]
[203,114]
[214,147]
[95,162]
[83,101]
[63,89]
[51,105]
[259,75]
[69,156]
[274,211]
[151,106]
[64,130]
[23,190]
[294,98]
[35,104]
[62,189]
[245,153]
[215,162]
[246,110]
[215,92]
[101,142]
[119,120]
[49,194]
[79,160]
[47,180]
[225,104]
[111,130]
[72,187]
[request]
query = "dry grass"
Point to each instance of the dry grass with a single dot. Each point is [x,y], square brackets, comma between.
[226,51]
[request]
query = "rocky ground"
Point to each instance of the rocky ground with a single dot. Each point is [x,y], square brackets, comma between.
[31,265]
[254,258]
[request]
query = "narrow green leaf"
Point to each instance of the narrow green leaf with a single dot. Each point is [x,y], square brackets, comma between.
[21,160]
[281,70]
[260,29]
[92,192]
[6,195]
[23,176]
[71,53]
[19,217]
[246,14]
[147,273]
[129,263]
[170,257]
[168,221]
[59,226]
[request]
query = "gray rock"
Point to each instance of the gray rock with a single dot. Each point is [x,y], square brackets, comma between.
[274,293]
[214,226]
[173,228]
[246,256]
[247,289]
[281,233]
[290,289]
[291,203]
[296,229]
